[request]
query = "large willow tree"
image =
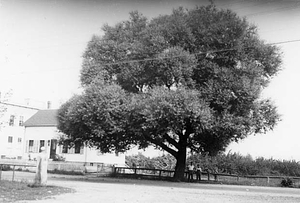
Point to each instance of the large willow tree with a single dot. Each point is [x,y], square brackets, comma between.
[188,80]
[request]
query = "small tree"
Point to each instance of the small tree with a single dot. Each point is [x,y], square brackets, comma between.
[189,80]
[3,99]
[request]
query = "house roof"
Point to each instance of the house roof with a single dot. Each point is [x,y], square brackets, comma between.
[43,118]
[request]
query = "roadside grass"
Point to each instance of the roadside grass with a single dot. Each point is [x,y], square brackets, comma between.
[272,182]
[63,172]
[222,180]
[251,182]
[12,191]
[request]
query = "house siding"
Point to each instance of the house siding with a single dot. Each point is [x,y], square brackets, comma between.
[88,156]
[12,148]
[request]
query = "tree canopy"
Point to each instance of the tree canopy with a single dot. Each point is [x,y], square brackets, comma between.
[191,79]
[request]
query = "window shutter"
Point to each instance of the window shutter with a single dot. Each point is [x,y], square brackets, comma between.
[46,145]
[36,146]
[27,146]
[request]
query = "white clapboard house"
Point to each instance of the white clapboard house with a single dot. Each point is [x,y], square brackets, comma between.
[12,117]
[41,131]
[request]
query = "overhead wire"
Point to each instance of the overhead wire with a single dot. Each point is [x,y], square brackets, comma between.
[211,51]
[200,53]
[160,58]
[220,23]
[292,7]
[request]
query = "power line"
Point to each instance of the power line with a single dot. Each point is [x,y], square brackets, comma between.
[16,105]
[285,42]
[159,58]
[297,5]
[42,71]
[200,53]
[294,6]
[260,3]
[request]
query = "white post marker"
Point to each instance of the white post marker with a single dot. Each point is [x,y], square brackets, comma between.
[41,169]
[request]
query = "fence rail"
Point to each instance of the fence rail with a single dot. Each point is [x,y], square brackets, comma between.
[167,174]
[14,164]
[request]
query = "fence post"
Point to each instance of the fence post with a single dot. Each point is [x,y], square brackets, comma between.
[13,177]
[268,180]
[216,177]
[208,176]
[238,178]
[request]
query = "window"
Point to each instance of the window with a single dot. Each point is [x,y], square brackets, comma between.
[77,148]
[30,146]
[65,148]
[10,139]
[11,120]
[21,121]
[19,140]
[42,144]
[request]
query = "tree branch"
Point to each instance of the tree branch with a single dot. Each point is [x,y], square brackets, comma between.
[163,146]
[171,141]
[194,148]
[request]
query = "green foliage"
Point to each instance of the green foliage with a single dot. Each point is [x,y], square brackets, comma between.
[234,163]
[6,168]
[57,171]
[57,157]
[138,160]
[165,162]
[287,182]
[191,79]
[4,98]
[15,191]
[96,118]
[231,163]
[161,115]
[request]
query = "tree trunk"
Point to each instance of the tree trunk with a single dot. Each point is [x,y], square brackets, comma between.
[180,165]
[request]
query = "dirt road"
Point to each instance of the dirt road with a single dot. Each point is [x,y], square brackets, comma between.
[133,191]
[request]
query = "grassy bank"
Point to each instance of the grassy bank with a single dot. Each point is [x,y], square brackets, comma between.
[16,191]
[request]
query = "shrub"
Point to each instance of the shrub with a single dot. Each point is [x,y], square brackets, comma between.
[230,163]
[58,158]
[6,168]
[287,182]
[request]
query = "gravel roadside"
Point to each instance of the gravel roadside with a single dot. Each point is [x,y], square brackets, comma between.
[93,189]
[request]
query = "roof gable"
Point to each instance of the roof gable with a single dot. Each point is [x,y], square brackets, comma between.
[43,118]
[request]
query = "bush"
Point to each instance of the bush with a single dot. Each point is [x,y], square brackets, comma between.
[63,172]
[166,162]
[234,163]
[230,163]
[58,158]
[287,182]
[6,168]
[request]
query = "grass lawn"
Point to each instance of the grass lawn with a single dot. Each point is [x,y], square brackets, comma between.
[15,191]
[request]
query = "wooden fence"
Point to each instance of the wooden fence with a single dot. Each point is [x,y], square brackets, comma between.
[14,164]
[206,176]
[143,172]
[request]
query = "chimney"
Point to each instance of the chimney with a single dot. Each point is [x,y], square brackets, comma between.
[49,105]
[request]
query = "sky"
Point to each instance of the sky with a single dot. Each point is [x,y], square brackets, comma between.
[42,42]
